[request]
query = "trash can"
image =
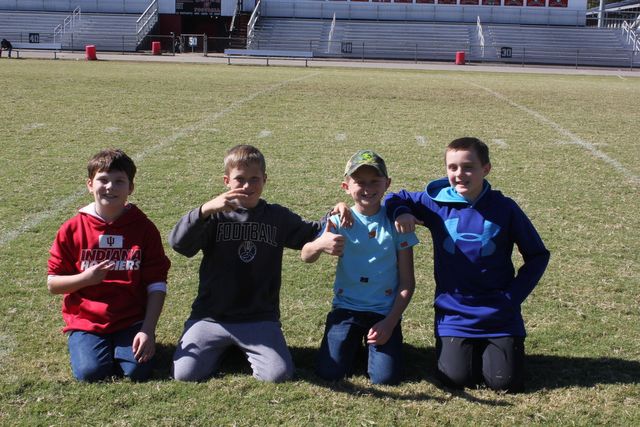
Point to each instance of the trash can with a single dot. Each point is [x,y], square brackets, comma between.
[460,57]
[90,52]
[155,48]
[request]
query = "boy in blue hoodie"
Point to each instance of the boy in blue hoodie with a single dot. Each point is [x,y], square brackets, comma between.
[478,322]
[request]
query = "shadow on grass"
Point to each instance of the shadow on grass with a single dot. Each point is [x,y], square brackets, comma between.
[550,372]
[420,364]
[543,372]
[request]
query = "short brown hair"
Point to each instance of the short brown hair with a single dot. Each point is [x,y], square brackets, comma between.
[244,155]
[109,160]
[470,143]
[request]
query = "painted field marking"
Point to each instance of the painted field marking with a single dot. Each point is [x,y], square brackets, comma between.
[33,220]
[421,140]
[500,143]
[32,126]
[341,137]
[265,133]
[572,138]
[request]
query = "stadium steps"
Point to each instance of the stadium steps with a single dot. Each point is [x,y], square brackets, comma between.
[16,26]
[368,39]
[558,45]
[108,32]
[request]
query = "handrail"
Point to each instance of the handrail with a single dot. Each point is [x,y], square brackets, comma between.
[631,36]
[252,22]
[333,27]
[233,20]
[480,36]
[68,24]
[147,20]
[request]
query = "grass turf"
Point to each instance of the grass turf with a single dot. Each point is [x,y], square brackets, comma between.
[564,147]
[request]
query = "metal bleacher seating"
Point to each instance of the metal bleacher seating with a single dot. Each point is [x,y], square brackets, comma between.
[368,39]
[16,26]
[440,41]
[108,32]
[558,45]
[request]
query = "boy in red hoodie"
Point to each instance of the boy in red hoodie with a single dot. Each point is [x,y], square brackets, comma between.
[109,263]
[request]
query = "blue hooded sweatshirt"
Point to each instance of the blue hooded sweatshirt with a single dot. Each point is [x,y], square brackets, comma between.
[478,293]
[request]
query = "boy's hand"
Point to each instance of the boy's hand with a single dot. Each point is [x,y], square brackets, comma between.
[380,333]
[346,219]
[225,202]
[97,273]
[330,242]
[144,347]
[406,223]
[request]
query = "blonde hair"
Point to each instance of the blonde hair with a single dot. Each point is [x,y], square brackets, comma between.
[244,155]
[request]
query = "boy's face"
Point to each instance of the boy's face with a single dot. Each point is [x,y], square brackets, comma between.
[466,173]
[249,178]
[366,187]
[110,191]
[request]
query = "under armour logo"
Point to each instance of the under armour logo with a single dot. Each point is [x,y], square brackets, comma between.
[490,231]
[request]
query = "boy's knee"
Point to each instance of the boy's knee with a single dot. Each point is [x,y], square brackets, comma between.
[137,371]
[275,373]
[186,373]
[329,374]
[508,383]
[384,378]
[92,373]
[454,378]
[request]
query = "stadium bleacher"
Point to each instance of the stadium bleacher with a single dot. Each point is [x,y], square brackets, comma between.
[369,39]
[107,31]
[440,41]
[560,45]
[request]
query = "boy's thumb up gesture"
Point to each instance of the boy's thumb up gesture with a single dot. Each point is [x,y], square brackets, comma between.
[332,243]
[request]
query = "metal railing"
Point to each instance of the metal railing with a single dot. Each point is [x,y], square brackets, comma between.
[68,25]
[630,36]
[252,23]
[480,36]
[235,13]
[147,20]
[333,27]
[428,51]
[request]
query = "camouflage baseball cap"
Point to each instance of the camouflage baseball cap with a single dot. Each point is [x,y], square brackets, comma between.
[365,158]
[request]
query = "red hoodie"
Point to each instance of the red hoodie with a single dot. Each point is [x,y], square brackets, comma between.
[133,242]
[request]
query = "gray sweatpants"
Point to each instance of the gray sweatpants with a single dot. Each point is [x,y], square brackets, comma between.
[203,342]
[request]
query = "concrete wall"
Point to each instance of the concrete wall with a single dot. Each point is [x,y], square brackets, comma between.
[89,6]
[573,14]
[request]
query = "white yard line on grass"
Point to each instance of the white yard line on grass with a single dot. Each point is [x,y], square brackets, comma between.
[572,138]
[500,143]
[421,140]
[32,221]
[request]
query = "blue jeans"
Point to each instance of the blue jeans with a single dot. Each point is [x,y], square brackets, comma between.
[95,357]
[344,334]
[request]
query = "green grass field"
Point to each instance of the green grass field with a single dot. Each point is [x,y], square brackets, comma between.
[564,147]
